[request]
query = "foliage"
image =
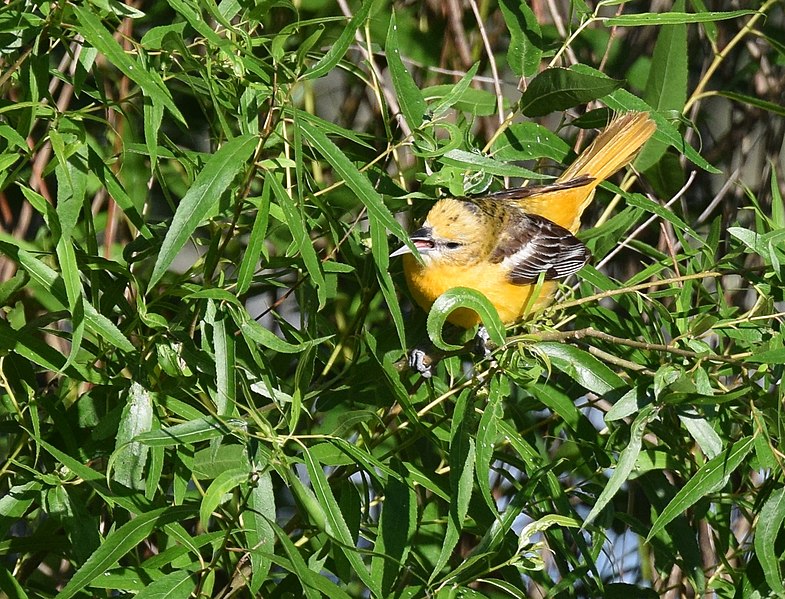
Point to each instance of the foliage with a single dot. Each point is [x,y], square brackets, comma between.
[201,343]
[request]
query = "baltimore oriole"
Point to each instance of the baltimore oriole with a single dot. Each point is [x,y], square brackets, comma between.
[513,243]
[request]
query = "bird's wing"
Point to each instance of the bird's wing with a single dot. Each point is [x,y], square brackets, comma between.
[531,245]
[524,193]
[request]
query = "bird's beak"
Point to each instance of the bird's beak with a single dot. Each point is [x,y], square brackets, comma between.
[422,239]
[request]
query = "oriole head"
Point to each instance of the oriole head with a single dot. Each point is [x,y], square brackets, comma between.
[455,231]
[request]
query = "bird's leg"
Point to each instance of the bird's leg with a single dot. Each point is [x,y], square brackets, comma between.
[423,359]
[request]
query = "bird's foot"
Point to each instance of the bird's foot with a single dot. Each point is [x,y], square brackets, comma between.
[422,361]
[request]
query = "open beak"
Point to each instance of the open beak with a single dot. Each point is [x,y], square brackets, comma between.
[422,239]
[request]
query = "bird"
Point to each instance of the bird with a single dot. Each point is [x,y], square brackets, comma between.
[514,245]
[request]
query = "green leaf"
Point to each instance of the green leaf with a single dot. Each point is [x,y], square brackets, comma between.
[709,478]
[148,80]
[336,525]
[256,240]
[462,459]
[397,524]
[461,96]
[225,482]
[672,18]
[487,436]
[557,89]
[465,299]
[626,463]
[257,523]
[769,527]
[409,95]
[130,456]
[666,87]
[529,141]
[701,430]
[558,402]
[177,585]
[225,367]
[523,53]
[187,433]
[581,366]
[256,333]
[296,221]
[485,164]
[202,196]
[338,48]
[772,107]
[119,542]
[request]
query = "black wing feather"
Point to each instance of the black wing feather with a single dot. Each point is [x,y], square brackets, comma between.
[532,246]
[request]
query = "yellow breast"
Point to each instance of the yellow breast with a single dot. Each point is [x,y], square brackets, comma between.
[510,301]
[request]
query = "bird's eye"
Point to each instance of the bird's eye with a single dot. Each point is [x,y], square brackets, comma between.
[452,245]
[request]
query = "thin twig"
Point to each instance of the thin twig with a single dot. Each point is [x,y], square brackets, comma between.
[623,290]
[491,61]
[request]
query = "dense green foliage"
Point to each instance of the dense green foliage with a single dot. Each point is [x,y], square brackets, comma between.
[202,383]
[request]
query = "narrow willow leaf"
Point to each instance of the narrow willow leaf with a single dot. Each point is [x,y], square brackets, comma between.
[461,458]
[10,586]
[338,48]
[381,255]
[397,524]
[130,456]
[409,95]
[641,201]
[666,87]
[455,93]
[672,18]
[224,483]
[257,524]
[108,179]
[153,117]
[296,221]
[203,195]
[187,433]
[28,344]
[256,333]
[225,368]
[486,164]
[255,241]
[769,527]
[119,542]
[558,402]
[626,462]
[148,80]
[487,435]
[581,366]
[477,102]
[703,433]
[313,584]
[559,89]
[336,525]
[177,585]
[709,478]
[772,107]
